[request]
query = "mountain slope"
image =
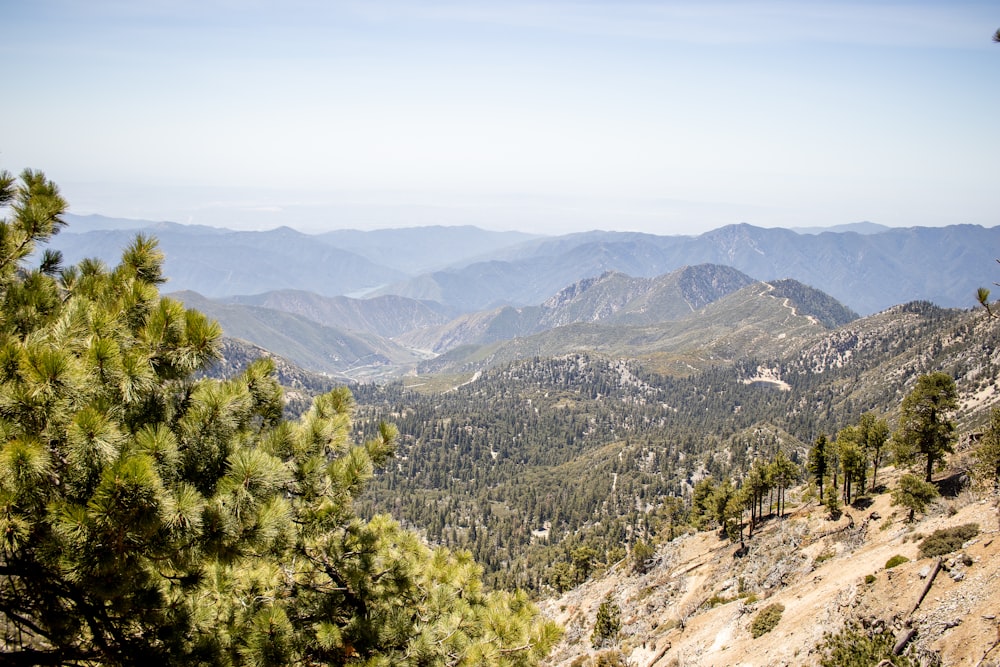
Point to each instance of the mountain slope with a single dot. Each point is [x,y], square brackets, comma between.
[570,446]
[385,316]
[305,342]
[867,272]
[697,602]
[217,262]
[612,298]
[758,320]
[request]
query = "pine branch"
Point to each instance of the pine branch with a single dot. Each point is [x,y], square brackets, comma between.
[30,656]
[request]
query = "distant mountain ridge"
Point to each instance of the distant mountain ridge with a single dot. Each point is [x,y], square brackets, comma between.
[868,273]
[757,320]
[612,298]
[469,269]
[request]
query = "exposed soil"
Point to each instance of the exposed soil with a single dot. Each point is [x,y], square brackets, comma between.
[696,605]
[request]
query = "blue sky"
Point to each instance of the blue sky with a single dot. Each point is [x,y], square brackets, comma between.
[668,117]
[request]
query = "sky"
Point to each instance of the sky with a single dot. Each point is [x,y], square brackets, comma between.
[550,116]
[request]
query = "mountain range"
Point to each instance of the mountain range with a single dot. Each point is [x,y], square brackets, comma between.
[373,305]
[469,269]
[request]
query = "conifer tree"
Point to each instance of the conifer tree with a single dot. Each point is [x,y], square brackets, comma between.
[925,428]
[783,473]
[148,517]
[608,623]
[817,462]
[873,433]
[987,453]
[851,459]
[914,494]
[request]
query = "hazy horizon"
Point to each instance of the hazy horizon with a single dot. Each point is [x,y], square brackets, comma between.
[552,116]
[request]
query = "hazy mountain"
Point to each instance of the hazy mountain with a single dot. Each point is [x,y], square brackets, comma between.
[217,262]
[612,298]
[866,272]
[856,227]
[386,316]
[417,250]
[307,343]
[758,320]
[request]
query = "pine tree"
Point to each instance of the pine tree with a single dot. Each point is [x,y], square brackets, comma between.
[608,623]
[783,473]
[924,425]
[987,454]
[852,461]
[873,435]
[148,517]
[914,494]
[817,462]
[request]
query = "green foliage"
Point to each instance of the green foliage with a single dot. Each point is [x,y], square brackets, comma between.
[817,462]
[823,557]
[858,646]
[924,425]
[608,623]
[702,508]
[914,494]
[613,658]
[766,619]
[610,658]
[896,560]
[987,454]
[832,503]
[945,540]
[873,433]
[783,473]
[852,461]
[870,579]
[149,517]
[642,554]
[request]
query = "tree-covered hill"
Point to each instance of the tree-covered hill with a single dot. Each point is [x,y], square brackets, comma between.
[532,460]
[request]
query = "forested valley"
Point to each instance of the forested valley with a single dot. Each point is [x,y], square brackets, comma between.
[548,468]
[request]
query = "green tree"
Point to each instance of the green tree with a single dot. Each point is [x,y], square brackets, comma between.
[873,433]
[783,474]
[756,485]
[832,502]
[149,517]
[608,623]
[852,460]
[987,453]
[924,425]
[584,558]
[701,503]
[672,510]
[642,553]
[914,494]
[725,507]
[817,462]
[858,646]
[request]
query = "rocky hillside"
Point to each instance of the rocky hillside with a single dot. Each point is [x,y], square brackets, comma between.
[698,602]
